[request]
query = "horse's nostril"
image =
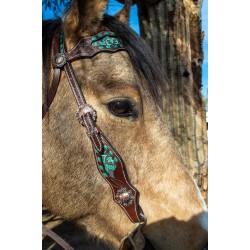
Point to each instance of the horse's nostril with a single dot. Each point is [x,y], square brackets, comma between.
[205,247]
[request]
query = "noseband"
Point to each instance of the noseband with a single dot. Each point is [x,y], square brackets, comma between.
[108,161]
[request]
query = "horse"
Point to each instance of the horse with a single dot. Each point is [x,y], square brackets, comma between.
[127,88]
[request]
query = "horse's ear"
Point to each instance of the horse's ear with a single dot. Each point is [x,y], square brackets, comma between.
[124,14]
[84,17]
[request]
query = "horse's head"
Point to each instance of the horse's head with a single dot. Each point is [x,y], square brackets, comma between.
[126,88]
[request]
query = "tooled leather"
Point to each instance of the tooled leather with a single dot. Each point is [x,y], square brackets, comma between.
[132,211]
[84,49]
[74,84]
[95,134]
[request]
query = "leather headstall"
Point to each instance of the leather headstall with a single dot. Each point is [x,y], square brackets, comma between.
[109,163]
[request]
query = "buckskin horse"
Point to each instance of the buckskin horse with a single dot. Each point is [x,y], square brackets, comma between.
[123,180]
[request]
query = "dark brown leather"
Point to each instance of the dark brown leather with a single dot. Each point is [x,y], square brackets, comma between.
[56,76]
[124,194]
[98,140]
[56,238]
[121,181]
[85,49]
[93,132]
[88,121]
[52,91]
[74,84]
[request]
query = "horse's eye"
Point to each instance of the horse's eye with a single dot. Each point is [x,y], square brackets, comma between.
[121,108]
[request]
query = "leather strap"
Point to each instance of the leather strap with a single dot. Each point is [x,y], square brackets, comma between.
[109,163]
[52,91]
[56,238]
[88,47]
[56,76]
[92,132]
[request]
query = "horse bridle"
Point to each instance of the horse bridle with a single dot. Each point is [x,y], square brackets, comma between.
[109,163]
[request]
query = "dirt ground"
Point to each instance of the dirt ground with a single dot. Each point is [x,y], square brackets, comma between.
[69,232]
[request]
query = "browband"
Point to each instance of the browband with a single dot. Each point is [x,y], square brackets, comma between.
[88,47]
[109,163]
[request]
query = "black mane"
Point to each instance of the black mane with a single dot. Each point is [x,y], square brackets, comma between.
[141,55]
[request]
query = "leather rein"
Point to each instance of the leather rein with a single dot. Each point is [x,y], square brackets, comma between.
[124,193]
